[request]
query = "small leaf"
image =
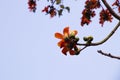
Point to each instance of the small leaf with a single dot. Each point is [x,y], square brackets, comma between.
[58,1]
[62,6]
[67,8]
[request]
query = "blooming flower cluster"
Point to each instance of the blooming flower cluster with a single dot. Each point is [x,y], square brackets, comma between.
[105,15]
[68,41]
[88,12]
[86,18]
[50,10]
[117,3]
[32,5]
[92,4]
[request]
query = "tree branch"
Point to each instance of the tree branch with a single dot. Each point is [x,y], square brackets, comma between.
[104,40]
[111,10]
[108,54]
[83,48]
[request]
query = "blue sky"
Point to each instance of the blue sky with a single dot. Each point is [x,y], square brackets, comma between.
[29,51]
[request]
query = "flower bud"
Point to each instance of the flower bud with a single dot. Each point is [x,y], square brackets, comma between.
[77,39]
[85,38]
[72,36]
[90,38]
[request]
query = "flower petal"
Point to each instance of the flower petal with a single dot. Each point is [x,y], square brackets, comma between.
[64,50]
[75,32]
[61,43]
[59,35]
[66,30]
[72,52]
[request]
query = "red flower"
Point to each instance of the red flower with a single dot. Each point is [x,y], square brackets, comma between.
[50,10]
[46,9]
[119,9]
[85,21]
[105,15]
[117,3]
[68,41]
[87,14]
[92,4]
[32,5]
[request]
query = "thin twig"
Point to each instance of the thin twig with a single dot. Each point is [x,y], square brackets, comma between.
[53,2]
[111,10]
[108,54]
[104,40]
[83,48]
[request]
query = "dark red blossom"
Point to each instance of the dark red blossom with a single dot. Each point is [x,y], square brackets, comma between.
[50,10]
[46,9]
[32,5]
[87,14]
[119,9]
[52,13]
[117,3]
[85,21]
[92,4]
[105,15]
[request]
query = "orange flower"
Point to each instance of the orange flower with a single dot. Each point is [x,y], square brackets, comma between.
[68,41]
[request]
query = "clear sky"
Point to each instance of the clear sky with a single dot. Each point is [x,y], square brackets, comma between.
[29,51]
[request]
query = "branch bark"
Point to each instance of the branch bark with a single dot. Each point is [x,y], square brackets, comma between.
[108,54]
[111,10]
[104,40]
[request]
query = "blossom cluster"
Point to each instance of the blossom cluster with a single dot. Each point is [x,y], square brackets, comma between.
[105,15]
[89,12]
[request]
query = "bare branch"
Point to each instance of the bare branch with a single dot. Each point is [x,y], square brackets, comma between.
[104,40]
[111,10]
[108,54]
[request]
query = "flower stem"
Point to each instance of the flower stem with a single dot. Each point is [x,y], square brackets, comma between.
[104,40]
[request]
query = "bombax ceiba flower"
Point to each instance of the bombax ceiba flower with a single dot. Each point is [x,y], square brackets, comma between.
[68,41]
